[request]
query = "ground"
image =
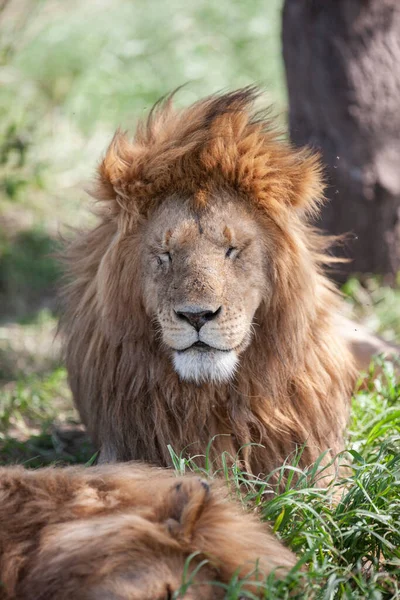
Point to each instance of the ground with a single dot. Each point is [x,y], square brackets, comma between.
[65,88]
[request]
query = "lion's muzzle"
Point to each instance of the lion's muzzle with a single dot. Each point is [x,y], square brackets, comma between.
[197,316]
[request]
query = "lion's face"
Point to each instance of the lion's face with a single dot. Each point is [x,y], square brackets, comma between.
[204,280]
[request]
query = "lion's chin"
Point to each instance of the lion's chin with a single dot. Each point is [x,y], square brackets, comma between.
[214,366]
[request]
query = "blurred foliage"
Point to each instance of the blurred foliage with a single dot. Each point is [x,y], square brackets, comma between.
[72,72]
[33,400]
[28,272]
[377,305]
[29,347]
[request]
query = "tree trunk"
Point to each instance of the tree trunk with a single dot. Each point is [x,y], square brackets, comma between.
[342,60]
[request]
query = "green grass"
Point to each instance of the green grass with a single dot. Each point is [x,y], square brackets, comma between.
[38,425]
[347,535]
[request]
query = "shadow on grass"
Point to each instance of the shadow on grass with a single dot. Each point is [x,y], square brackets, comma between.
[38,422]
[69,445]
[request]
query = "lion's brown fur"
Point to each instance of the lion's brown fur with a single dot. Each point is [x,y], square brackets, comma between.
[124,532]
[293,384]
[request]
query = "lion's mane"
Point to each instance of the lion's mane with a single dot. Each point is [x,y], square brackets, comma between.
[293,384]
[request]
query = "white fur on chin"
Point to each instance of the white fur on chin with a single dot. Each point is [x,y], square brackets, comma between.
[199,367]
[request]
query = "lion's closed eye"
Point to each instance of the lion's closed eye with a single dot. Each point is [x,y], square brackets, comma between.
[164,258]
[232,252]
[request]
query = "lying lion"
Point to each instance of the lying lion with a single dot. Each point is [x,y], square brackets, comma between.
[125,532]
[197,308]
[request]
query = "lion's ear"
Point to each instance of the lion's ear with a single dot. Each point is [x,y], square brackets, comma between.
[306,191]
[186,502]
[114,167]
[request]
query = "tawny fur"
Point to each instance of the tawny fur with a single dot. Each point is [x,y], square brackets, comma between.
[124,533]
[292,384]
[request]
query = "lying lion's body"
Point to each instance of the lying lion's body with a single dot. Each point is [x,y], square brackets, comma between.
[124,533]
[204,216]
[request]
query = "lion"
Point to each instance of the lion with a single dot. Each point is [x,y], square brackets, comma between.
[127,532]
[197,308]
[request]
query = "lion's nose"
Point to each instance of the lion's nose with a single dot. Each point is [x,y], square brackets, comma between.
[197,317]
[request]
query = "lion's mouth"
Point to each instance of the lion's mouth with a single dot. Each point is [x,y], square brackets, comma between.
[203,347]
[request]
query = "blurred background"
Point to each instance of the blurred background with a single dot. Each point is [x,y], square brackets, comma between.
[70,74]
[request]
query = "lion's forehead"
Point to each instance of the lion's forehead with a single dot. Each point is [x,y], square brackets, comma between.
[177,224]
